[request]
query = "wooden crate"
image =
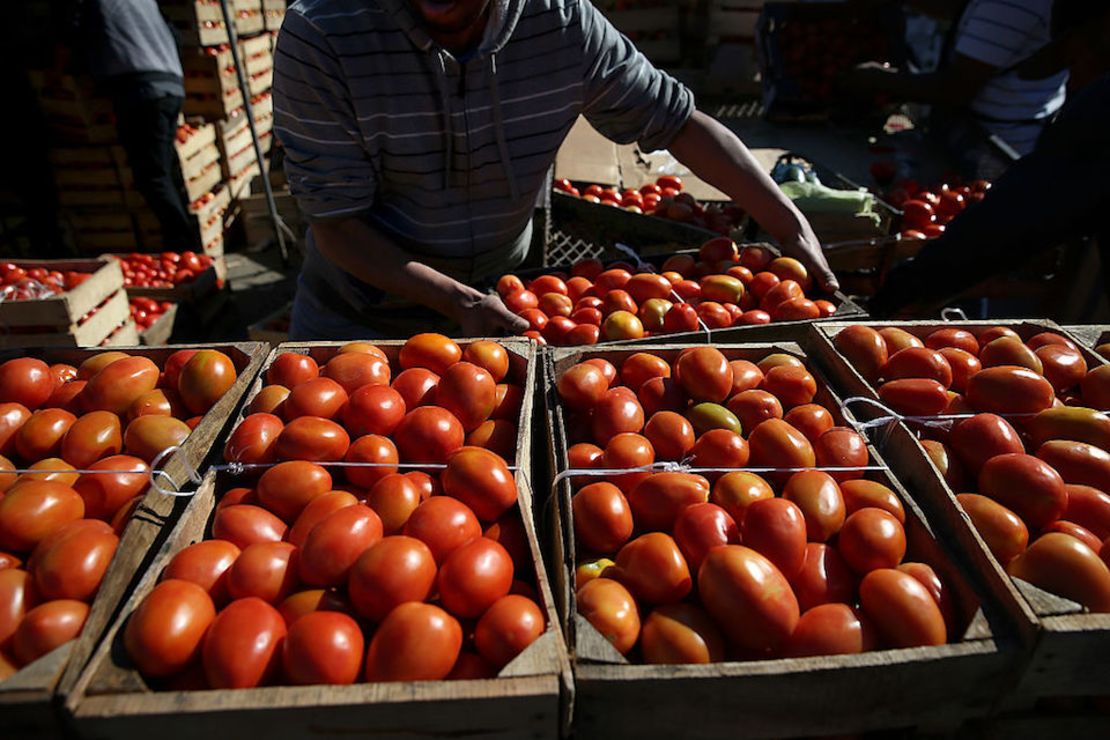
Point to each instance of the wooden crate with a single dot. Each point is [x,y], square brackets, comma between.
[1070,647]
[102,231]
[110,699]
[1090,335]
[159,333]
[27,697]
[273,13]
[248,17]
[195,290]
[211,85]
[125,335]
[197,22]
[74,111]
[207,218]
[925,688]
[90,331]
[71,306]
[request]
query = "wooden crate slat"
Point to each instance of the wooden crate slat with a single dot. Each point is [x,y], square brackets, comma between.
[88,333]
[67,308]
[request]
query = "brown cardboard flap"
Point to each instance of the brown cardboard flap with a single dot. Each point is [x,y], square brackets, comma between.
[587,156]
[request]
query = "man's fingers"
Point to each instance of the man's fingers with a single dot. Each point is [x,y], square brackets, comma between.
[516,324]
[828,281]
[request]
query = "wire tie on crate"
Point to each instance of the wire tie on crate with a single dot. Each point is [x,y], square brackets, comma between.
[191,473]
[704,327]
[952,313]
[236,467]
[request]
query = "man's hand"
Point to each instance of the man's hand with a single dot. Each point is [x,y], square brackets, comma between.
[807,249]
[484,315]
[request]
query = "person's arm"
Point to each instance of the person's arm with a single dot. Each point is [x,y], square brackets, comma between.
[717,156]
[331,175]
[628,100]
[347,242]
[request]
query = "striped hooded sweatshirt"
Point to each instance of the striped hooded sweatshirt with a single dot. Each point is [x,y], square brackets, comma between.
[447,154]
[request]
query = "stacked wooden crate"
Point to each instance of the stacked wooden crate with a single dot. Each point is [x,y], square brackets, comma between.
[273,13]
[75,113]
[197,22]
[211,85]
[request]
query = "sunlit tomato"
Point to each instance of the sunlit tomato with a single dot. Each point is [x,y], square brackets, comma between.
[914,396]
[1002,530]
[842,447]
[824,578]
[981,437]
[105,493]
[242,648]
[206,377]
[872,538]
[583,456]
[918,362]
[62,373]
[312,438]
[950,468]
[481,480]
[323,647]
[432,351]
[206,564]
[793,386]
[602,518]
[720,448]
[898,339]
[1078,462]
[70,563]
[753,407]
[288,487]
[588,570]
[496,435]
[779,294]
[1065,566]
[245,524]
[1009,351]
[831,629]
[865,349]
[428,434]
[417,387]
[1072,529]
[158,402]
[507,628]
[903,611]
[362,348]
[748,597]
[776,444]
[610,608]
[148,436]
[1064,367]
[489,355]
[951,337]
[508,284]
[810,419]
[736,491]
[290,369]
[443,524]
[1026,485]
[321,397]
[98,362]
[701,527]
[392,571]
[705,374]
[26,381]
[657,500]
[253,440]
[353,370]
[333,545]
[308,601]
[42,434]
[266,570]
[474,576]
[46,627]
[670,434]
[661,394]
[17,596]
[681,633]
[584,316]
[315,512]
[415,642]
[640,367]
[714,315]
[613,279]
[1009,389]
[548,284]
[35,510]
[556,304]
[509,400]
[617,411]
[269,400]
[536,318]
[776,528]
[622,325]
[468,392]
[963,365]
[163,635]
[628,450]
[819,498]
[12,417]
[1089,508]
[394,498]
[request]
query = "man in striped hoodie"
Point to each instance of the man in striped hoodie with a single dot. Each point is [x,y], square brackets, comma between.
[418,134]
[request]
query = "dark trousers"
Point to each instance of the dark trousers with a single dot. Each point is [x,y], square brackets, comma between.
[147,130]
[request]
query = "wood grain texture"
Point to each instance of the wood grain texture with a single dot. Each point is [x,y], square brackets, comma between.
[527,699]
[926,688]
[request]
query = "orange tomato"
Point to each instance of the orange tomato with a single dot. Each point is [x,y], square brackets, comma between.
[163,635]
[871,539]
[610,608]
[242,647]
[748,597]
[903,611]
[681,633]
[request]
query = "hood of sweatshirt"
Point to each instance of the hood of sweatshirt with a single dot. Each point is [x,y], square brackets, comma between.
[503,18]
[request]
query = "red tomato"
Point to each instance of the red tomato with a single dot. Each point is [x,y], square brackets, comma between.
[1009,389]
[433,351]
[481,480]
[288,487]
[443,524]
[753,407]
[269,400]
[957,338]
[670,434]
[253,440]
[981,437]
[1095,388]
[46,627]
[474,576]
[290,369]
[582,386]
[681,633]
[394,498]
[417,387]
[393,571]
[1078,462]
[98,362]
[602,518]
[315,512]
[820,501]
[824,578]
[735,492]
[311,438]
[610,608]
[428,434]
[163,635]
[653,569]
[26,381]
[870,539]
[1089,508]
[657,501]
[831,629]
[242,648]
[105,493]
[204,380]
[508,284]
[1063,565]
[748,597]
[149,436]
[321,397]
[333,545]
[34,511]
[12,417]
[1026,485]
[811,419]
[776,528]
[914,396]
[353,370]
[1072,529]
[313,600]
[468,392]
[17,596]
[1003,531]
[245,524]
[1009,351]
[903,611]
[206,564]
[266,570]
[507,628]
[323,647]
[793,386]
[1063,367]
[918,362]
[416,642]
[70,563]
[41,435]
[490,356]
[774,443]
[917,214]
[842,447]
[380,456]
[705,374]
[701,527]
[618,411]
[865,349]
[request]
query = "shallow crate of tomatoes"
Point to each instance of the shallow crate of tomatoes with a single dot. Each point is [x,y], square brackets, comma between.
[153,319]
[1001,428]
[361,571]
[40,293]
[107,324]
[169,276]
[760,571]
[721,287]
[85,427]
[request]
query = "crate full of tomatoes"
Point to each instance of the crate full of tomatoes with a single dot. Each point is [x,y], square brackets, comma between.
[721,286]
[153,319]
[758,560]
[79,433]
[169,276]
[365,559]
[1003,428]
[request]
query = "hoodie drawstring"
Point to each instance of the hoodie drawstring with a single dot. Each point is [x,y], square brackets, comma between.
[499,130]
[448,132]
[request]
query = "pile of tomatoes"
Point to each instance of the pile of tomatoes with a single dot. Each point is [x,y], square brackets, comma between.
[1045,516]
[663,198]
[60,527]
[325,574]
[926,211]
[725,286]
[711,566]
[185,132]
[164,270]
[145,311]
[27,284]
